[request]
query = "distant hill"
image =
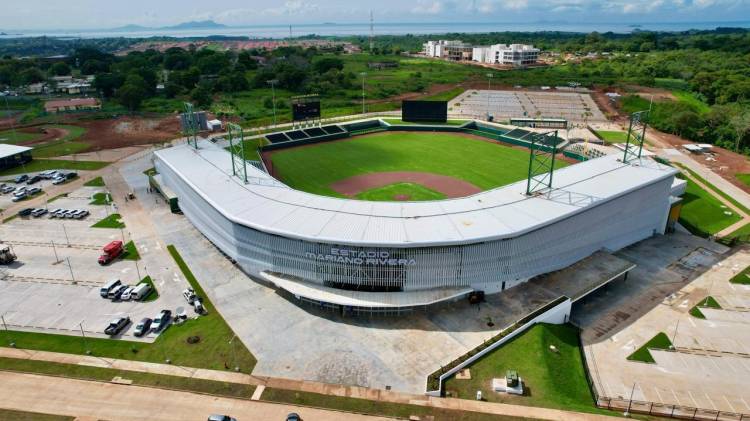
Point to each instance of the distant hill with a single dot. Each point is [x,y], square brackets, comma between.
[202,24]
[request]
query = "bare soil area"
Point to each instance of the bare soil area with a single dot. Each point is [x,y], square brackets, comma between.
[129,131]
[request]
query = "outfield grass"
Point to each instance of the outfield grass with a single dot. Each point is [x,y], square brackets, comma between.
[14,136]
[612,136]
[131,252]
[54,164]
[96,182]
[213,351]
[401,191]
[112,221]
[703,214]
[708,302]
[551,379]
[485,164]
[660,341]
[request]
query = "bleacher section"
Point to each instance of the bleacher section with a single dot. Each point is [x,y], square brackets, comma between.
[297,135]
[277,138]
[518,134]
[314,132]
[332,129]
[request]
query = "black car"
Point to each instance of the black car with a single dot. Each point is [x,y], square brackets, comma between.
[21,178]
[34,179]
[293,417]
[71,175]
[25,212]
[117,325]
[142,327]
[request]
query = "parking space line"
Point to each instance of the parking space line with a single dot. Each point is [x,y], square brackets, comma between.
[728,403]
[709,399]
[658,395]
[745,402]
[675,397]
[695,403]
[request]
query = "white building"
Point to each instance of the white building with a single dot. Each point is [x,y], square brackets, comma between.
[513,54]
[453,49]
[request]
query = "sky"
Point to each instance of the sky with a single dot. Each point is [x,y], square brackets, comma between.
[104,14]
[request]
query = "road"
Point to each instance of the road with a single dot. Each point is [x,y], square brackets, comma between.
[115,402]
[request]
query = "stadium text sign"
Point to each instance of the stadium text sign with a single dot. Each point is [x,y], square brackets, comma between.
[360,257]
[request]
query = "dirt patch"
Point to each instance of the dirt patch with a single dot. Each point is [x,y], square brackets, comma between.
[449,186]
[129,131]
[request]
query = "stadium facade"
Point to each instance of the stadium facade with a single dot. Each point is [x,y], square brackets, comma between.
[380,256]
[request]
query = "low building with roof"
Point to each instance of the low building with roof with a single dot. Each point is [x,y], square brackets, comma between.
[12,156]
[72,105]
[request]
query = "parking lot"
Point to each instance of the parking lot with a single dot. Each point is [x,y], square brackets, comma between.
[54,285]
[710,366]
[503,105]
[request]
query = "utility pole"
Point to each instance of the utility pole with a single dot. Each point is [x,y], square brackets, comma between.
[83,336]
[67,240]
[363,91]
[57,259]
[489,89]
[630,401]
[273,82]
[7,332]
[138,271]
[71,270]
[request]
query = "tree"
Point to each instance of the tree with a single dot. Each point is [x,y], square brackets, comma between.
[741,125]
[327,63]
[108,83]
[59,69]
[133,92]
[201,95]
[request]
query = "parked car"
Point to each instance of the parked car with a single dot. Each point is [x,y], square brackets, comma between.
[126,296]
[25,212]
[7,189]
[142,327]
[80,213]
[189,295]
[217,417]
[115,293]
[33,190]
[60,213]
[293,416]
[117,325]
[161,321]
[53,212]
[17,197]
[198,306]
[47,174]
[59,180]
[21,178]
[69,213]
[34,179]
[71,175]
[19,190]
[36,213]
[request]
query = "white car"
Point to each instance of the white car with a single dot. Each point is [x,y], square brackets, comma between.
[36,213]
[20,191]
[80,213]
[7,189]
[17,197]
[53,212]
[126,296]
[59,180]
[189,295]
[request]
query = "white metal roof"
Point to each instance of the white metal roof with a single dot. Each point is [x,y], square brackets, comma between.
[270,206]
[7,150]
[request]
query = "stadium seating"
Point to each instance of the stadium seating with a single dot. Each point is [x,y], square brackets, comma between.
[332,129]
[277,138]
[297,135]
[314,132]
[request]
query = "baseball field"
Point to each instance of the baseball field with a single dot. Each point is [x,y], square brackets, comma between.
[401,166]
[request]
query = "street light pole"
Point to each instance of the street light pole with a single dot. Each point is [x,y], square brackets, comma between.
[489,89]
[67,240]
[273,82]
[363,74]
[71,270]
[83,335]
[57,259]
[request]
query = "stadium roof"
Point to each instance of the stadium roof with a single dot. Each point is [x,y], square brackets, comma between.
[7,150]
[268,205]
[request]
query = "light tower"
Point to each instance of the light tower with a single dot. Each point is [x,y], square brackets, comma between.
[372,30]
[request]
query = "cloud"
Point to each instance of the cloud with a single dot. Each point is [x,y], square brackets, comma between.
[429,7]
[515,4]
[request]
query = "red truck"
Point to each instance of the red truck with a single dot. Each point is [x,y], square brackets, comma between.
[111,251]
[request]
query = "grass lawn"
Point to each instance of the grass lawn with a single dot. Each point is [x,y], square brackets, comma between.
[250,147]
[314,168]
[138,378]
[716,190]
[131,253]
[708,302]
[444,96]
[612,136]
[212,351]
[54,164]
[660,341]
[552,380]
[9,414]
[742,278]
[703,214]
[14,136]
[154,294]
[96,182]
[61,195]
[112,221]
[401,191]
[101,199]
[364,406]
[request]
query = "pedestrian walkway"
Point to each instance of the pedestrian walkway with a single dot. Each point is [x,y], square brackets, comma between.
[117,402]
[301,385]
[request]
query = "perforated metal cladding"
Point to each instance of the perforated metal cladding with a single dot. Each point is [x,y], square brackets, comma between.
[612,225]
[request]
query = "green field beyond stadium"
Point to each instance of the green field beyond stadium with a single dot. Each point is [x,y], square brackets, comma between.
[483,164]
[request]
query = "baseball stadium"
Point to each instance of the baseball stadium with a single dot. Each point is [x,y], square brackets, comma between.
[390,216]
